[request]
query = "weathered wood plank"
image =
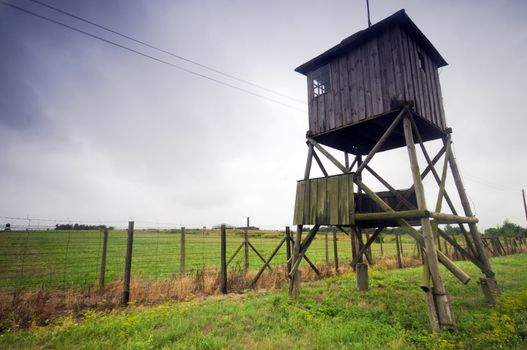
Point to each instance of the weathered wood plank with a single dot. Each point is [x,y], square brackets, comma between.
[345,93]
[432,91]
[333,200]
[441,112]
[334,96]
[397,64]
[351,200]
[365,95]
[312,110]
[321,208]
[313,192]
[410,87]
[412,54]
[375,74]
[298,217]
[344,200]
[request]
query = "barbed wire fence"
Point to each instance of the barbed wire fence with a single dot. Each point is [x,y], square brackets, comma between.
[37,254]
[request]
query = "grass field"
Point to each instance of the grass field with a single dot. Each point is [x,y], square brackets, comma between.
[64,259]
[331,314]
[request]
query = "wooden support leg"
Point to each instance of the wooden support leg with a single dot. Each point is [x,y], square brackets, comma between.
[489,290]
[440,296]
[362,277]
[473,229]
[294,283]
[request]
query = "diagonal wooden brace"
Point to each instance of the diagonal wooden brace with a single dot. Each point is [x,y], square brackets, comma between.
[303,248]
[382,140]
[462,276]
[328,155]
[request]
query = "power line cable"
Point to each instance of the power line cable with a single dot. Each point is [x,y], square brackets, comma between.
[152,57]
[168,52]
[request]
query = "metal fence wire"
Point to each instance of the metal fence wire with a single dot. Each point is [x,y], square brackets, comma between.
[47,258]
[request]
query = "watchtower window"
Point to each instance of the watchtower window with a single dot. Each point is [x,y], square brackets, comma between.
[421,61]
[321,80]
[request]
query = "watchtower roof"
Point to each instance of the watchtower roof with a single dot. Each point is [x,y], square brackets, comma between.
[400,18]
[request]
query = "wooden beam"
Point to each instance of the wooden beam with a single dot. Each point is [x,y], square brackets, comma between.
[459,248]
[436,177]
[476,237]
[356,234]
[236,252]
[353,164]
[442,218]
[259,255]
[257,277]
[366,246]
[454,269]
[404,214]
[320,165]
[391,189]
[383,139]
[313,267]
[309,160]
[442,303]
[328,155]
[423,175]
[294,283]
[302,249]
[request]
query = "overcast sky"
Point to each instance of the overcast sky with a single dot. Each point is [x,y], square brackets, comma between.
[92,132]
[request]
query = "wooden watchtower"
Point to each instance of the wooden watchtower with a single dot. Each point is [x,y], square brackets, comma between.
[376,91]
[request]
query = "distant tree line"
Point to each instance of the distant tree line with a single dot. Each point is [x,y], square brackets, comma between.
[81,227]
[508,229]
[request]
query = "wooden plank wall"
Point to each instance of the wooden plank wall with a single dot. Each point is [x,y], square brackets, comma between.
[324,201]
[365,81]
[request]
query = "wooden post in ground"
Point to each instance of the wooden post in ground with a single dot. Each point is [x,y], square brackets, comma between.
[398,250]
[381,239]
[102,273]
[335,250]
[368,251]
[246,246]
[326,246]
[476,237]
[362,277]
[294,282]
[401,245]
[441,301]
[182,252]
[354,248]
[128,264]
[288,249]
[223,260]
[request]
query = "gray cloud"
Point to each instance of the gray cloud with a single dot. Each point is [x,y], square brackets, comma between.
[91,131]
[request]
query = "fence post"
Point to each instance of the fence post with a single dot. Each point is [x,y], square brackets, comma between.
[223,262]
[102,274]
[397,239]
[327,246]
[288,249]
[182,252]
[128,263]
[335,250]
[246,245]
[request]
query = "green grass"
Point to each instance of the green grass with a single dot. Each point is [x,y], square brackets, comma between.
[330,315]
[62,259]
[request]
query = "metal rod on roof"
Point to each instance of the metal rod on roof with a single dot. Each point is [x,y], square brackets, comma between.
[368,7]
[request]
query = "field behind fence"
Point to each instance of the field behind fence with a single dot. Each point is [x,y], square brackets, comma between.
[59,259]
[63,259]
